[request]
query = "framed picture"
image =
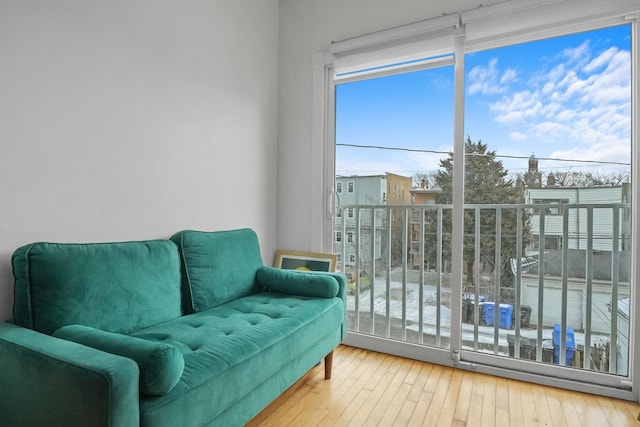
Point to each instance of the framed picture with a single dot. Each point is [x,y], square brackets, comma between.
[309,261]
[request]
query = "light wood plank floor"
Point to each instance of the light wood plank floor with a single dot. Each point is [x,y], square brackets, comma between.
[374,389]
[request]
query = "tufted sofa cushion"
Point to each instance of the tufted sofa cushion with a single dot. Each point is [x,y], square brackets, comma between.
[238,347]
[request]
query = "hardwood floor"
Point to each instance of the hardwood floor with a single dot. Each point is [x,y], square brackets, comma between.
[374,389]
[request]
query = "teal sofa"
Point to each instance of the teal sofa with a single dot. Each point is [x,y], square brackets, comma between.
[188,331]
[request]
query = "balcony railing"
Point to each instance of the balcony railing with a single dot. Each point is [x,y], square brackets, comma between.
[567,269]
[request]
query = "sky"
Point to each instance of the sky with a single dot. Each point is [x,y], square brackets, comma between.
[563,98]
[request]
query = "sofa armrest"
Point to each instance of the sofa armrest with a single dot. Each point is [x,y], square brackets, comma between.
[295,282]
[49,381]
[342,294]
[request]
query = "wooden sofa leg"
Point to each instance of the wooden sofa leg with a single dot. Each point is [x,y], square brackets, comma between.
[328,364]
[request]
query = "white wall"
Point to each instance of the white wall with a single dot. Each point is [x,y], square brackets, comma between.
[308,27]
[123,120]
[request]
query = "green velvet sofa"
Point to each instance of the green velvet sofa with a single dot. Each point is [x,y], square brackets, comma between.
[188,331]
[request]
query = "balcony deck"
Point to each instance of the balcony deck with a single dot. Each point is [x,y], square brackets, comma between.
[399,257]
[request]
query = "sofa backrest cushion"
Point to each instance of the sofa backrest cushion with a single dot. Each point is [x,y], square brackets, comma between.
[218,266]
[116,287]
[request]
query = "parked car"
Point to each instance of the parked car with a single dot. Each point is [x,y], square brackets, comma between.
[364,282]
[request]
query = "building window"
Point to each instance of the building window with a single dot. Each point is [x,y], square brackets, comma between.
[339,187]
[338,236]
[350,213]
[350,237]
[551,210]
[553,242]
[352,258]
[350,187]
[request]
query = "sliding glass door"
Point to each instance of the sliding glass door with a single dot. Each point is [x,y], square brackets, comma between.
[542,283]
[391,132]
[548,193]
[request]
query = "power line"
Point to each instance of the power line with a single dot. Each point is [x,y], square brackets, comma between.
[380,147]
[600,162]
[506,156]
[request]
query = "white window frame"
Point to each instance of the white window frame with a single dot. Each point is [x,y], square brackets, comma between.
[350,187]
[492,26]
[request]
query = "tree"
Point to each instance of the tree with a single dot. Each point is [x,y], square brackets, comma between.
[486,183]
[570,178]
[423,180]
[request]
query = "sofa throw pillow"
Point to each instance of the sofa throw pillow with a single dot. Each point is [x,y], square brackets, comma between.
[309,284]
[160,364]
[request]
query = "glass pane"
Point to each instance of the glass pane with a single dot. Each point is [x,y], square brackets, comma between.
[390,135]
[548,187]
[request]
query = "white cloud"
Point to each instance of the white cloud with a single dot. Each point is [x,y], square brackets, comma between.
[566,115]
[613,83]
[601,60]
[401,163]
[489,79]
[516,107]
[578,54]
[576,87]
[352,166]
[509,75]
[550,131]
[424,161]
[518,136]
[552,109]
[604,151]
[548,88]
[579,99]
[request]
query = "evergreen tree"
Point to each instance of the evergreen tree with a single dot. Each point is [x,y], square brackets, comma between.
[486,183]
